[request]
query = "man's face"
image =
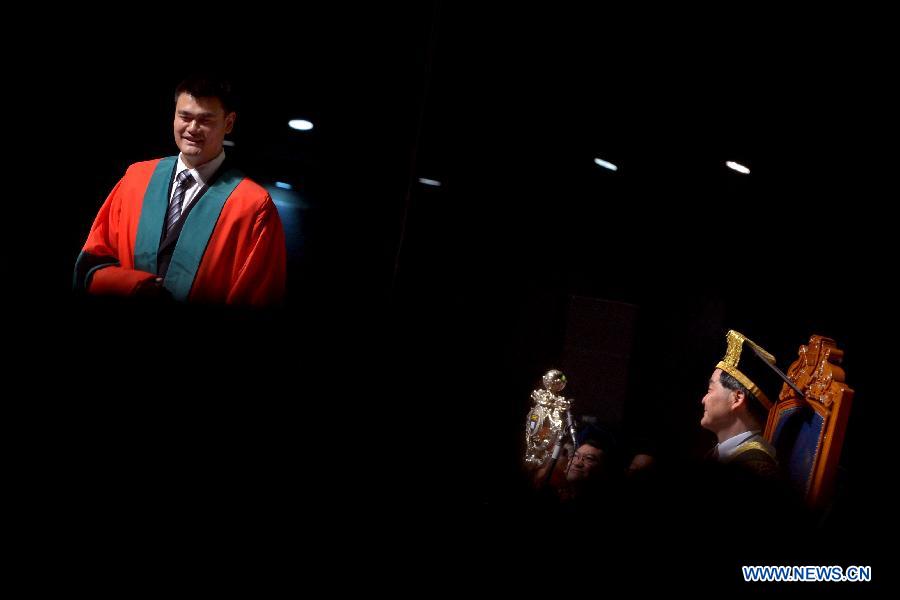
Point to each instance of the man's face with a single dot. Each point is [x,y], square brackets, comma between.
[640,462]
[717,403]
[200,126]
[586,462]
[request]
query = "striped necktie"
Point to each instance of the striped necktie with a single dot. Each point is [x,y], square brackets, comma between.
[183,181]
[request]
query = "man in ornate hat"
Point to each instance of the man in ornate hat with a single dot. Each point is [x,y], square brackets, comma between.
[736,409]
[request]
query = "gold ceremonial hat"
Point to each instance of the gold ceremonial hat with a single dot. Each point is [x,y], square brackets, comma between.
[754,365]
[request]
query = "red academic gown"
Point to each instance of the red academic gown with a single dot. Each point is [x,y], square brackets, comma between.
[231,247]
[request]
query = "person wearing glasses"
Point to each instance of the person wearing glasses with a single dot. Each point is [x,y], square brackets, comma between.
[586,464]
[591,473]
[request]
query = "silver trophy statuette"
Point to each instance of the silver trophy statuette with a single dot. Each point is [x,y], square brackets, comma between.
[545,420]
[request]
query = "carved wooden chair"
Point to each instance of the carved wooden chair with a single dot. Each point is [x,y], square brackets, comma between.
[807,429]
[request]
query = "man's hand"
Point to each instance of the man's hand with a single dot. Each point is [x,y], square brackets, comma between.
[152,288]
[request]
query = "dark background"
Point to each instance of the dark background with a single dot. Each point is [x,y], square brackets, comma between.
[397,378]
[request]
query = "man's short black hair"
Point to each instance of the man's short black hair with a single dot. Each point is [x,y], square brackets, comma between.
[208,85]
[595,443]
[757,411]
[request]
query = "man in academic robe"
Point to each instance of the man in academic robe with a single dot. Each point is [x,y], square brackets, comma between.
[189,226]
[736,409]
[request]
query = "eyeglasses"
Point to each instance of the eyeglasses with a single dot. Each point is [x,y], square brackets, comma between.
[586,458]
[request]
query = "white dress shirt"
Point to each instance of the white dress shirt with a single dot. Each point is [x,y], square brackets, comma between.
[728,448]
[202,176]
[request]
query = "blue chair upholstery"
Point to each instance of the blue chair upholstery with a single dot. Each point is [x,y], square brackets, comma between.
[798,441]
